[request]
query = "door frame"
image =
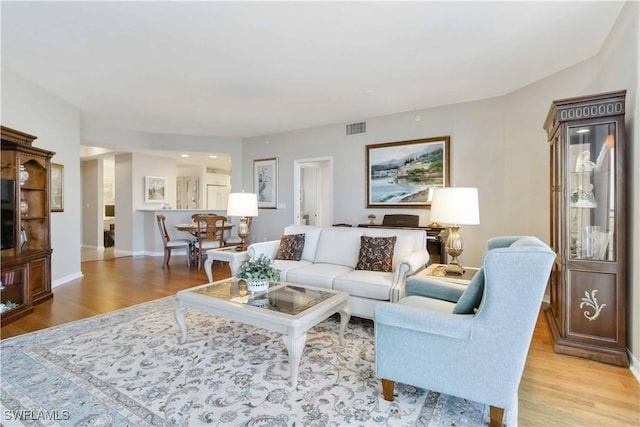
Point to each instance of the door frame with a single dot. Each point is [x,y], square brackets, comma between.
[326,181]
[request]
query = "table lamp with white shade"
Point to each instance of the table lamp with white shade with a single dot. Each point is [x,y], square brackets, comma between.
[455,206]
[243,205]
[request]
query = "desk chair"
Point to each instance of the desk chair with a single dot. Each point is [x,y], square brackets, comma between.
[173,244]
[210,234]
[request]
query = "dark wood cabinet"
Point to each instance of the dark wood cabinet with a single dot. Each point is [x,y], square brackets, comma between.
[588,284]
[26,246]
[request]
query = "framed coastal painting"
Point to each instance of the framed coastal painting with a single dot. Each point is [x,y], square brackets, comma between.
[57,188]
[400,174]
[265,182]
[155,189]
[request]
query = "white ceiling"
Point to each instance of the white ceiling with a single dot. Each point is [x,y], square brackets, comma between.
[239,69]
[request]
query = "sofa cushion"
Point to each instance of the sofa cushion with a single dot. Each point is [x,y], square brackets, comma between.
[320,275]
[339,245]
[311,237]
[472,296]
[291,246]
[367,284]
[376,253]
[284,266]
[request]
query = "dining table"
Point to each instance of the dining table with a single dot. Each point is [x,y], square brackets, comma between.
[193,229]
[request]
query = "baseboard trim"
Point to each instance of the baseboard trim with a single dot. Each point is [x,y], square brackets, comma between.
[634,366]
[67,278]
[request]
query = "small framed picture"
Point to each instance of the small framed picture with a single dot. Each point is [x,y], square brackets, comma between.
[56,199]
[265,182]
[155,189]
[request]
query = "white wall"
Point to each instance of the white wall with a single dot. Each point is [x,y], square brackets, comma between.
[130,172]
[98,135]
[477,159]
[92,206]
[31,109]
[497,145]
[124,236]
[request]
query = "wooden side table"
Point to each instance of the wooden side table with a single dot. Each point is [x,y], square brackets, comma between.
[228,254]
[436,271]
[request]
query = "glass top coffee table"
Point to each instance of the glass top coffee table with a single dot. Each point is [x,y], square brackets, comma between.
[285,308]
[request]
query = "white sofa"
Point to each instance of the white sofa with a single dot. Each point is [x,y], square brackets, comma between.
[330,256]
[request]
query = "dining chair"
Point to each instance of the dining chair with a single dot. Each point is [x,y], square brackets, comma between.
[210,234]
[169,244]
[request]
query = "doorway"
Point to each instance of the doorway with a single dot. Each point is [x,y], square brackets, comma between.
[313,191]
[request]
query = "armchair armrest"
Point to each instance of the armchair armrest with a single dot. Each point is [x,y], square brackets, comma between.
[404,316]
[268,249]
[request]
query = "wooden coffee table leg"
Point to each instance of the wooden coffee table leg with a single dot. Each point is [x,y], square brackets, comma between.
[295,346]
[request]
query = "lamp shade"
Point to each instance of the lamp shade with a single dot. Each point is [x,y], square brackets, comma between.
[455,205]
[242,204]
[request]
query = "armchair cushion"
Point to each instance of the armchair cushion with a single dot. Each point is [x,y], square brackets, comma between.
[470,299]
[376,253]
[434,288]
[291,247]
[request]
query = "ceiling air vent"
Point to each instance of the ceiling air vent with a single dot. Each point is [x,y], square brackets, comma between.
[354,128]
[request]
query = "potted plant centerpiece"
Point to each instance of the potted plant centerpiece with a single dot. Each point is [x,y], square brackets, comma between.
[258,273]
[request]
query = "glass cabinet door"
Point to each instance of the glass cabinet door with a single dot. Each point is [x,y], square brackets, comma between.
[591,191]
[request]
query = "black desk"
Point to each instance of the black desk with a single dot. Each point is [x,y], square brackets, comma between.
[436,237]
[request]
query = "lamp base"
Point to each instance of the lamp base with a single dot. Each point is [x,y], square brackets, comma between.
[243,234]
[454,269]
[454,248]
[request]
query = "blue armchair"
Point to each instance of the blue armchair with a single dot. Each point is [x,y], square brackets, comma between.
[476,347]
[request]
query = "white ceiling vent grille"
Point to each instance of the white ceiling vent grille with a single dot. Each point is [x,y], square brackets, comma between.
[354,128]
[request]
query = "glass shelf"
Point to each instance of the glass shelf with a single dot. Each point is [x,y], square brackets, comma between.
[591,194]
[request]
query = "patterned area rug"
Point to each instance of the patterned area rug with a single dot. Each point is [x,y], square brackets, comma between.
[127,368]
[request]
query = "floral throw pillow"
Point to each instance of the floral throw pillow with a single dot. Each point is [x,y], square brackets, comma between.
[376,253]
[291,246]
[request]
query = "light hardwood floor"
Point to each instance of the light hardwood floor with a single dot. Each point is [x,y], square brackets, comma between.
[556,390]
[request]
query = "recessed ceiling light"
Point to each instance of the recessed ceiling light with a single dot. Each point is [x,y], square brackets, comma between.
[213,156]
[583,130]
[184,155]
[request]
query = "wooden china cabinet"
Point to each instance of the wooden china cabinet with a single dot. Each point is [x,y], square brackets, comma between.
[25,236]
[587,315]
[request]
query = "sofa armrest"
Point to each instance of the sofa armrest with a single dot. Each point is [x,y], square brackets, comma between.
[416,260]
[268,249]
[407,265]
[423,320]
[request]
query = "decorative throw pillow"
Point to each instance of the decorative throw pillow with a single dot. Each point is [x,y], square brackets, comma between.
[291,246]
[376,253]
